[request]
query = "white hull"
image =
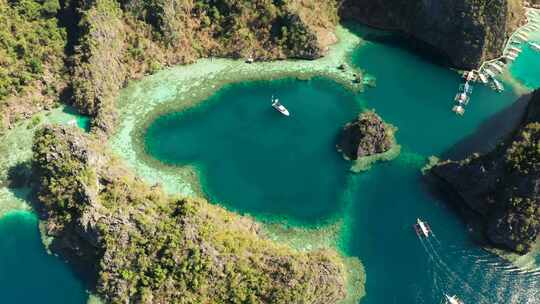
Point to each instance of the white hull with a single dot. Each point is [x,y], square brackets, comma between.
[422,228]
[283,111]
[279,107]
[452,300]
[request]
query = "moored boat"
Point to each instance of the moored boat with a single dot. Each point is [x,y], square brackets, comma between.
[498,86]
[452,299]
[535,46]
[496,67]
[489,73]
[458,110]
[483,78]
[278,106]
[461,98]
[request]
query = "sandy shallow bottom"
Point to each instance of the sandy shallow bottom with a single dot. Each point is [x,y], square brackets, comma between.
[182,87]
[185,86]
[16,150]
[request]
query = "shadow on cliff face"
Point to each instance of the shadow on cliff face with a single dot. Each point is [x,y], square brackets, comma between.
[487,136]
[400,40]
[21,183]
[491,132]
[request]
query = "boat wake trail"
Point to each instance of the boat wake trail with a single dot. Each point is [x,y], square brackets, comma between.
[446,276]
[473,274]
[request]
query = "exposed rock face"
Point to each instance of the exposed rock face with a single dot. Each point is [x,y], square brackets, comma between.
[366,136]
[466,32]
[143,246]
[122,40]
[502,188]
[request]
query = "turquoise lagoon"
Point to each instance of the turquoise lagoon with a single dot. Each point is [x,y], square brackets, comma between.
[252,160]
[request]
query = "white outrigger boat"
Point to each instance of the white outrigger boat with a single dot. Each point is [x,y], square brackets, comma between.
[535,46]
[452,299]
[498,86]
[462,98]
[483,78]
[458,109]
[422,228]
[278,106]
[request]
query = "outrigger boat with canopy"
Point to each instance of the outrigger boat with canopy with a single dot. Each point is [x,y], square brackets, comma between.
[422,228]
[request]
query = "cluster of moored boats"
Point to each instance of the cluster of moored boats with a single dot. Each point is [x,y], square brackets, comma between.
[462,96]
[423,230]
[489,70]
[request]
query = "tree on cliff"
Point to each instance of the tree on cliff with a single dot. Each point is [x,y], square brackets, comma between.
[144,246]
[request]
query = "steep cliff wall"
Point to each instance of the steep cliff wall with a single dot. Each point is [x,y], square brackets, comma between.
[502,188]
[122,40]
[465,32]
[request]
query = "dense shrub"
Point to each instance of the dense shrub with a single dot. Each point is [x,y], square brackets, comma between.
[154,248]
[30,41]
[524,152]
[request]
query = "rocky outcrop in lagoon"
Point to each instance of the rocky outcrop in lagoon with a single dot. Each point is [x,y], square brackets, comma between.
[143,246]
[366,136]
[367,140]
[500,191]
[463,32]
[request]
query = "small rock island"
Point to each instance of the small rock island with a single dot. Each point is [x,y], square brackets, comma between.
[499,192]
[367,140]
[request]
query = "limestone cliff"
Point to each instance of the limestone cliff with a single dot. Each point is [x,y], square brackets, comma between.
[501,189]
[122,40]
[143,246]
[366,136]
[368,140]
[464,32]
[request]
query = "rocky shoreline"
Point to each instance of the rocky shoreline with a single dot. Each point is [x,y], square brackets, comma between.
[367,140]
[92,205]
[499,192]
[480,34]
[138,244]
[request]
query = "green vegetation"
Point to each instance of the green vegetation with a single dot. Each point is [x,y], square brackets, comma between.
[368,140]
[31,55]
[98,70]
[30,43]
[501,187]
[112,41]
[127,39]
[152,248]
[524,153]
[262,28]
[523,172]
